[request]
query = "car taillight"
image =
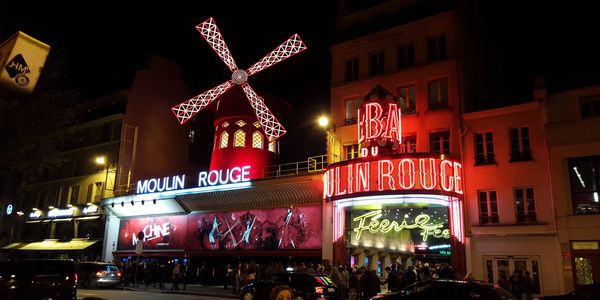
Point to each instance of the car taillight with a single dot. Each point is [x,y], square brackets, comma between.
[118,274]
[319,290]
[98,274]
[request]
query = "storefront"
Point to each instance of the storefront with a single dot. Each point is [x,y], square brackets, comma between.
[212,226]
[75,232]
[396,209]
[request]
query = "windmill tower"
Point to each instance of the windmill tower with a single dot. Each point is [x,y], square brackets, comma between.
[242,137]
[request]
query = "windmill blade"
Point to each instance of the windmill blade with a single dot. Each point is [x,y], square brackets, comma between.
[208,29]
[187,109]
[273,129]
[290,47]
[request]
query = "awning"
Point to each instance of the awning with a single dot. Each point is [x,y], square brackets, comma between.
[50,245]
[297,190]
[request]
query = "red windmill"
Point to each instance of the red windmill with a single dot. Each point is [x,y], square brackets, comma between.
[271,126]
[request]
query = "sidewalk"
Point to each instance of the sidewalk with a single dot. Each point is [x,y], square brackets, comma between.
[195,289]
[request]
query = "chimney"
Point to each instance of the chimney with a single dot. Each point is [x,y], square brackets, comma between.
[539,88]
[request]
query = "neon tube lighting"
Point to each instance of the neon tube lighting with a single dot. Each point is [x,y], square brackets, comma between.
[395,199]
[579,176]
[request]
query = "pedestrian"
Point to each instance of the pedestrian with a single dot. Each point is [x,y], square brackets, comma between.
[175,276]
[392,280]
[336,277]
[528,286]
[503,280]
[516,284]
[228,276]
[353,285]
[469,277]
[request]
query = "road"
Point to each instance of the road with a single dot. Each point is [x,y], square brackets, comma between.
[105,294]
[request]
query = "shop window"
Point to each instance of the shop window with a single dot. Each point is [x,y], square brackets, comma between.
[488,207]
[525,205]
[409,144]
[406,56]
[440,142]
[351,151]
[407,99]
[90,229]
[584,176]
[520,149]
[224,140]
[438,94]
[351,107]
[583,271]
[376,63]
[257,140]
[239,138]
[436,47]
[351,72]
[590,106]
[484,148]
[64,230]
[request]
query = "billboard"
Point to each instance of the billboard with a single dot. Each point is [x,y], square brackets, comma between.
[22,58]
[159,233]
[296,228]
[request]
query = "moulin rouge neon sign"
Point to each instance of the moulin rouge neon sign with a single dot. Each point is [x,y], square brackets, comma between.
[371,222]
[392,174]
[205,178]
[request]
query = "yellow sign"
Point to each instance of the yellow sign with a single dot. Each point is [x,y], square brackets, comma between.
[585,245]
[21,61]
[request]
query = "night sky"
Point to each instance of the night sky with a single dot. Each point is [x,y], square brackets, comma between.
[107,42]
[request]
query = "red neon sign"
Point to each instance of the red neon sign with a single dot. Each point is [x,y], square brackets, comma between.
[392,174]
[379,121]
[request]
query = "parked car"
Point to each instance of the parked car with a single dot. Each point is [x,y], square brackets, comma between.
[587,292]
[450,289]
[98,274]
[38,279]
[304,286]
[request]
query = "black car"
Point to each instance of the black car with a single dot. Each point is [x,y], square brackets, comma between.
[38,279]
[450,289]
[304,286]
[96,274]
[590,291]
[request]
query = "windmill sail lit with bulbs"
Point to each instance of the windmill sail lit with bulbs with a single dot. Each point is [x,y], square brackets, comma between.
[271,126]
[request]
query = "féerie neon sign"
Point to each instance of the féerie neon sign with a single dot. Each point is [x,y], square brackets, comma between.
[392,174]
[371,222]
[205,178]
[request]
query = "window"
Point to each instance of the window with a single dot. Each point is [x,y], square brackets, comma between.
[406,56]
[240,123]
[224,140]
[409,144]
[584,174]
[256,124]
[436,47]
[440,142]
[406,97]
[191,136]
[438,94]
[272,146]
[42,201]
[225,124]
[239,138]
[488,207]
[257,140]
[351,107]
[376,64]
[525,205]
[590,106]
[519,144]
[351,151]
[351,70]
[73,194]
[484,149]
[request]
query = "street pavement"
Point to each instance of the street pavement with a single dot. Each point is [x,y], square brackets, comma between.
[191,292]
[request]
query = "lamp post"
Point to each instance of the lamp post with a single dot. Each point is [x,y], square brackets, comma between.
[333,143]
[102,160]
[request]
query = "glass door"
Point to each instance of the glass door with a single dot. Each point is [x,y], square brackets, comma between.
[494,265]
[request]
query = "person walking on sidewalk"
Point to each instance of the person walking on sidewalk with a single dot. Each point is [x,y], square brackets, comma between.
[175,276]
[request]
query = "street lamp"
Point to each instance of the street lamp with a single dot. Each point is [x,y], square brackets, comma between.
[101,160]
[333,143]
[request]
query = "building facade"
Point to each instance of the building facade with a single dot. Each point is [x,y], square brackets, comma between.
[574,149]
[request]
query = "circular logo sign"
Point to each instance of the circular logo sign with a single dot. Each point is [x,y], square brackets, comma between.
[9,209]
